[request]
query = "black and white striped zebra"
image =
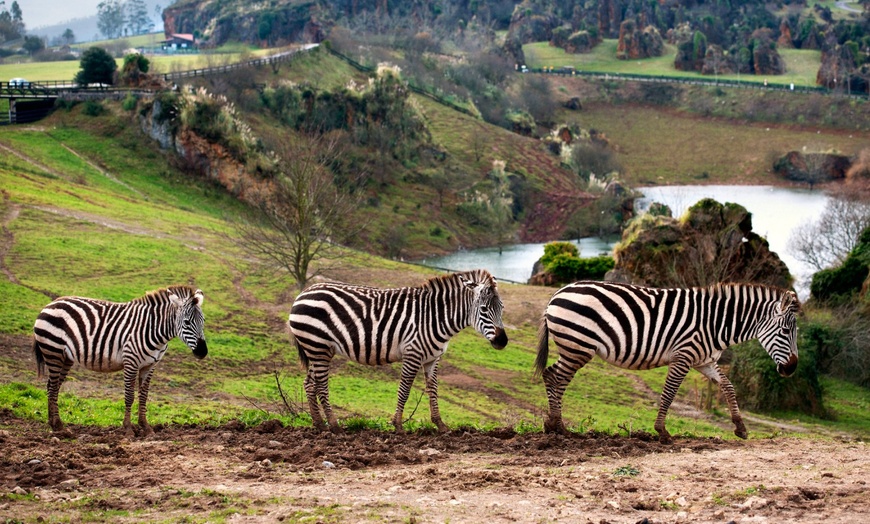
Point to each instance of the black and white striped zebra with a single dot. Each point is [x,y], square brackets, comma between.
[111,336]
[377,326]
[638,327]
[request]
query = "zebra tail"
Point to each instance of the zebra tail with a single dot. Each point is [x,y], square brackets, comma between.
[543,347]
[40,359]
[303,358]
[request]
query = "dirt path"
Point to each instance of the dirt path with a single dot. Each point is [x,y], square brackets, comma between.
[272,474]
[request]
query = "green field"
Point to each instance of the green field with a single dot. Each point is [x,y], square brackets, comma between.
[66,70]
[801,65]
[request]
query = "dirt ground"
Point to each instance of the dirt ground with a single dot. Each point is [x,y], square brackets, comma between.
[273,474]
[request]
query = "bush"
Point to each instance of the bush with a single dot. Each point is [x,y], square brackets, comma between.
[129,102]
[553,249]
[93,108]
[839,285]
[567,268]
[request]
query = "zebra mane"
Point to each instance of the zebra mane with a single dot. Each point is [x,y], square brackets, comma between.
[774,292]
[477,275]
[162,294]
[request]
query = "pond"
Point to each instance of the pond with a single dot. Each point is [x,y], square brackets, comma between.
[776,212]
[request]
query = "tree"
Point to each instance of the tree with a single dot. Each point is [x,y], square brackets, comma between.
[96,67]
[110,18]
[137,21]
[828,241]
[33,44]
[304,216]
[68,36]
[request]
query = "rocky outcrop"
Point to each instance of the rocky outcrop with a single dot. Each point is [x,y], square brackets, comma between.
[766,60]
[713,243]
[812,168]
[635,43]
[785,39]
[530,24]
[573,41]
[215,22]
[716,62]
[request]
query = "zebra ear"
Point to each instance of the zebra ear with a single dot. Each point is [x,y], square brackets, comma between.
[198,297]
[467,282]
[789,302]
[176,300]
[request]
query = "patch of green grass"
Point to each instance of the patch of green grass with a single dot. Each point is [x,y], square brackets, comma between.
[626,471]
[801,64]
[662,147]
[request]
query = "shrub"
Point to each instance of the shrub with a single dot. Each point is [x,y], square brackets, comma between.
[553,249]
[567,268]
[129,103]
[93,108]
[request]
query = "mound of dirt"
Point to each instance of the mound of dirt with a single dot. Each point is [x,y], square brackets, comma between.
[270,473]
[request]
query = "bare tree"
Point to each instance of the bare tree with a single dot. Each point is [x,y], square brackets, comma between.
[303,216]
[826,242]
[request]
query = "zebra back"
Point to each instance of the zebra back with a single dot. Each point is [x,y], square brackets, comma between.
[369,322]
[89,329]
[640,324]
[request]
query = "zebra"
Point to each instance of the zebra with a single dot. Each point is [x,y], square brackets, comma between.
[637,327]
[375,326]
[110,336]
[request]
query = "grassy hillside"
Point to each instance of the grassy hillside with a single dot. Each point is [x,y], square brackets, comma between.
[91,208]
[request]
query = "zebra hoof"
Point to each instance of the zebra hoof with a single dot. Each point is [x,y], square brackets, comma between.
[63,433]
[741,432]
[665,438]
[555,427]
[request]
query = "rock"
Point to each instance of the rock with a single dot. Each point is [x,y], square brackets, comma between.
[18,490]
[711,243]
[429,452]
[69,484]
[635,42]
[328,465]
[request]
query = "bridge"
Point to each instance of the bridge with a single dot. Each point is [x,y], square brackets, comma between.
[32,101]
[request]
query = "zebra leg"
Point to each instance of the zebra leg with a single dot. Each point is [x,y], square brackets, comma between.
[144,384]
[319,372]
[676,373]
[56,377]
[715,375]
[556,380]
[431,371]
[131,371]
[410,367]
[310,386]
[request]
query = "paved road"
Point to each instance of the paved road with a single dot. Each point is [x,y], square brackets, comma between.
[842,4]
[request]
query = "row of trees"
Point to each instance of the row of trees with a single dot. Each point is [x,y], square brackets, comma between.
[11,21]
[116,18]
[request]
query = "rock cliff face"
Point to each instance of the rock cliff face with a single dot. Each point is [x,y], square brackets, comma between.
[215,22]
[637,43]
[713,243]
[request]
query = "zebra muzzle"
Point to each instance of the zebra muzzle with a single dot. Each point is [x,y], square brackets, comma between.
[500,340]
[201,349]
[788,369]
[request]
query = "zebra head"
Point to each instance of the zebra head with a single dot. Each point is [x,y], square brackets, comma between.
[778,333]
[190,322]
[486,307]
